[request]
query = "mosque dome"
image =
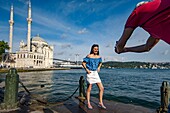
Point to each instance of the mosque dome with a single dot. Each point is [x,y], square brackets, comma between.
[38,39]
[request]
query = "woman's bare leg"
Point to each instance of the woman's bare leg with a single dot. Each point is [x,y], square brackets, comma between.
[88,95]
[101,90]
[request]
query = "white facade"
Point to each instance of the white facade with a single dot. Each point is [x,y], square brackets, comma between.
[40,55]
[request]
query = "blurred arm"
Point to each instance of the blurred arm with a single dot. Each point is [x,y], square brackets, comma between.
[151,42]
[84,65]
[122,41]
[98,69]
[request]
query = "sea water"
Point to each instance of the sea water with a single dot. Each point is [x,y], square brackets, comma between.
[134,86]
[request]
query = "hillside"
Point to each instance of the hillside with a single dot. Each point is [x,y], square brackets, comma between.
[145,65]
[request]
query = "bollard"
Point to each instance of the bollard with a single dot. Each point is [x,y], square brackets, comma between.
[164,96]
[82,88]
[11,90]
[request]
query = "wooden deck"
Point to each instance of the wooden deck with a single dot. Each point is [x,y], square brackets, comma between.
[74,106]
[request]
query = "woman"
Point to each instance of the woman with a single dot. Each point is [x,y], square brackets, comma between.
[92,63]
[154,17]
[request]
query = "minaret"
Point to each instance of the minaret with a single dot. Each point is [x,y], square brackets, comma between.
[11,23]
[29,19]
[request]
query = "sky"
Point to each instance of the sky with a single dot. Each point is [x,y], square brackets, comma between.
[73,26]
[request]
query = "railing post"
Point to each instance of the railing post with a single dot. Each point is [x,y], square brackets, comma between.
[11,90]
[82,88]
[164,96]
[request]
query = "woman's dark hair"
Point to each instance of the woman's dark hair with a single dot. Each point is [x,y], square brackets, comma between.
[94,45]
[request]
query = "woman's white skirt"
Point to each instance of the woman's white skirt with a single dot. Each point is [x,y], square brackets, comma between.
[93,77]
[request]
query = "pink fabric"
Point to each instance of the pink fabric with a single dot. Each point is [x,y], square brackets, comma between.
[154,17]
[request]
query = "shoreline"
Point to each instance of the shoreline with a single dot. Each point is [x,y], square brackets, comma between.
[5,70]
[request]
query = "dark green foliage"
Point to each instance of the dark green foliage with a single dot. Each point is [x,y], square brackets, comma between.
[113,64]
[3,46]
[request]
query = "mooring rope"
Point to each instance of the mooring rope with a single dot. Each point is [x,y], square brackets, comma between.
[43,101]
[24,87]
[72,94]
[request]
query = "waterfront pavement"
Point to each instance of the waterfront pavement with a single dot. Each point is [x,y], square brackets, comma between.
[73,105]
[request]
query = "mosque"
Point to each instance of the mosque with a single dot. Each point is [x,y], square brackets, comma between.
[36,53]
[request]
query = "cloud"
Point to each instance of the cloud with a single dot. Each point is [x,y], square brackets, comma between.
[60,53]
[109,45]
[111,58]
[165,52]
[24,1]
[90,0]
[84,30]
[65,46]
[64,36]
[70,54]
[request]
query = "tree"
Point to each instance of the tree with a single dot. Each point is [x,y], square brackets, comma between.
[3,46]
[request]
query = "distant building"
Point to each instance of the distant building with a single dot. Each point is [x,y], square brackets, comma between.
[40,55]
[35,54]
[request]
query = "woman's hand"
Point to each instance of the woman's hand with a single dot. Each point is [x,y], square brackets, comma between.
[88,72]
[98,69]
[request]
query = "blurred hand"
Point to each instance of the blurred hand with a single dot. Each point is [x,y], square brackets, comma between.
[98,69]
[118,50]
[88,72]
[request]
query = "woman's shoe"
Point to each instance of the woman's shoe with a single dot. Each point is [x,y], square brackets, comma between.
[89,107]
[101,106]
